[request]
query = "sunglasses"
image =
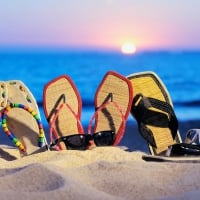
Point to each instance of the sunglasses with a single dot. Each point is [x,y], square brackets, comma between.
[193,136]
[183,149]
[82,141]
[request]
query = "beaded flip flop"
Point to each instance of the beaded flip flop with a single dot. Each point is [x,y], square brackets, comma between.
[21,119]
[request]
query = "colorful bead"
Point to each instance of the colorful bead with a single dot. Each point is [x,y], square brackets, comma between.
[33,113]
[21,147]
[30,110]
[4,119]
[8,108]
[26,108]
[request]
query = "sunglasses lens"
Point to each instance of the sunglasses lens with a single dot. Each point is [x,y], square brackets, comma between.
[104,138]
[76,142]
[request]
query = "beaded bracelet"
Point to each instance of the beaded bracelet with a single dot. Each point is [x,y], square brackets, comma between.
[16,141]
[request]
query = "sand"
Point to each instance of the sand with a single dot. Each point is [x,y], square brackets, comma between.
[100,173]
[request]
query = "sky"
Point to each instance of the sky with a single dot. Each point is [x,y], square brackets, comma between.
[149,24]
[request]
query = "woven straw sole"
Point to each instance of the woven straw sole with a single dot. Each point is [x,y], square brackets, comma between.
[62,91]
[20,122]
[122,93]
[150,85]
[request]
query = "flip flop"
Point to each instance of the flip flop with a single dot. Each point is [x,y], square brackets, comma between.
[21,119]
[153,109]
[62,107]
[113,101]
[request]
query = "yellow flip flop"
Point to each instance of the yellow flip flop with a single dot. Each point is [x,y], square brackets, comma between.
[153,109]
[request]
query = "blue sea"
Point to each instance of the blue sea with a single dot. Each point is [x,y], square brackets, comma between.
[180,72]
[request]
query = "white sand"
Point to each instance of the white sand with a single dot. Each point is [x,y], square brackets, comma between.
[101,173]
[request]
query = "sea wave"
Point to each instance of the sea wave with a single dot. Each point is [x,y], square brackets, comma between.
[179,72]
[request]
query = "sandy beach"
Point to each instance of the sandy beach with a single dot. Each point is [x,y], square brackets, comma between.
[101,173]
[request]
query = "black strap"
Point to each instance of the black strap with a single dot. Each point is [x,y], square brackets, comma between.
[145,116]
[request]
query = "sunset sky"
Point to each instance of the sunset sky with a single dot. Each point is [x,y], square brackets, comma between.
[149,24]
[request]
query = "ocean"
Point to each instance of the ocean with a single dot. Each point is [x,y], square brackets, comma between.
[180,72]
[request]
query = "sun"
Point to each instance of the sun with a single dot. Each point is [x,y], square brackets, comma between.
[128,48]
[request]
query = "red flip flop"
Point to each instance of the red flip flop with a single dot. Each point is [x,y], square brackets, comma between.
[62,107]
[113,100]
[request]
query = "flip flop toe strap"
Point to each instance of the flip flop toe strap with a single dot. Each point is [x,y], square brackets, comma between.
[142,109]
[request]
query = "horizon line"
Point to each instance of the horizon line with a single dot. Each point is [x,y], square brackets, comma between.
[59,48]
